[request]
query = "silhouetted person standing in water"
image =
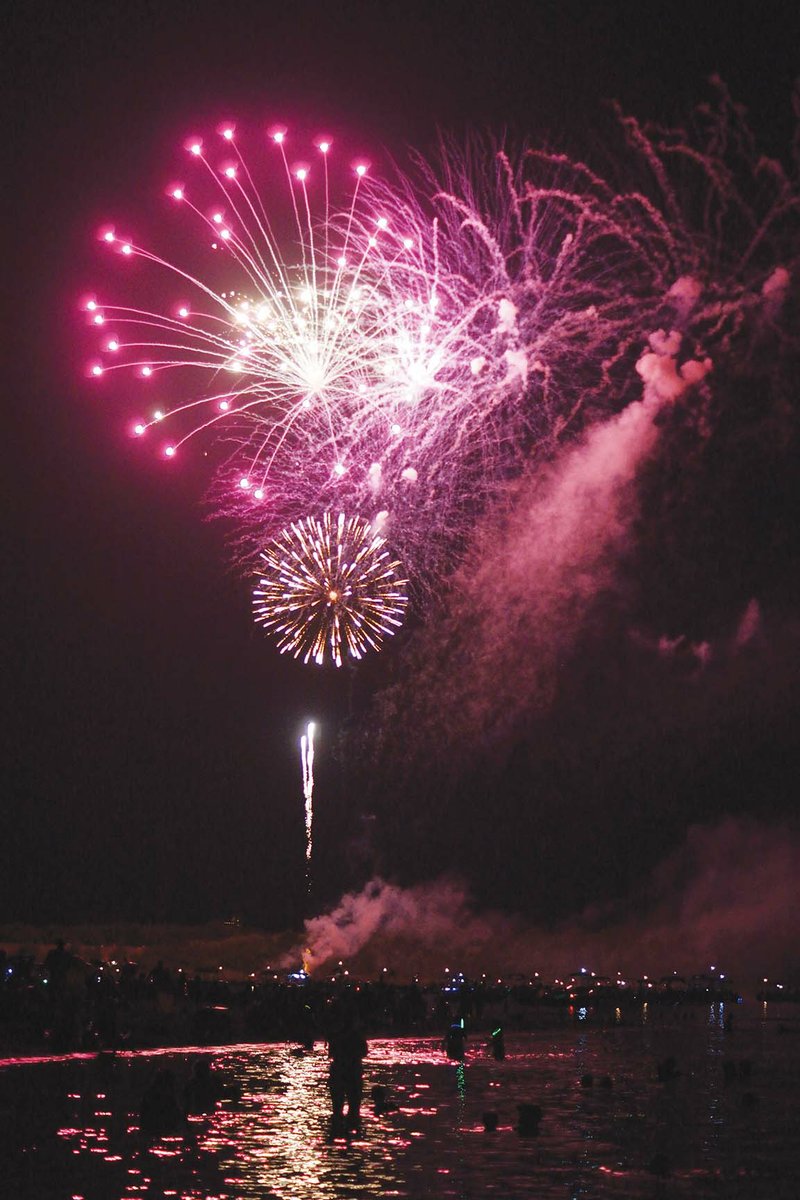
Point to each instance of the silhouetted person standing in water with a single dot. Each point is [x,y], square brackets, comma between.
[347,1048]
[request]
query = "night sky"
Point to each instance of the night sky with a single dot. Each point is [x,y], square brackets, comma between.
[152,769]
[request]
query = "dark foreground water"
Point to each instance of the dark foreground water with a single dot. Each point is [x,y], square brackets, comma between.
[69,1127]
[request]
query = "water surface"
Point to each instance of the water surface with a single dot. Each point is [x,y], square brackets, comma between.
[70,1126]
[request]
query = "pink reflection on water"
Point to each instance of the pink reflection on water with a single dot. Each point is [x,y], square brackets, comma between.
[276,1138]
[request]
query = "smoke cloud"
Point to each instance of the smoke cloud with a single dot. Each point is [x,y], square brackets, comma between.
[531,579]
[728,897]
[614,665]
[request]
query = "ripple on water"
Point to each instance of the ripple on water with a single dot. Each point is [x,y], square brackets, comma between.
[70,1127]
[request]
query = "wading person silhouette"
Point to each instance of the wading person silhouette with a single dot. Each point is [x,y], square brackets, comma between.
[347,1048]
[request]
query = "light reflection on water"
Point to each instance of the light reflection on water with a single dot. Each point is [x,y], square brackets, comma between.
[70,1127]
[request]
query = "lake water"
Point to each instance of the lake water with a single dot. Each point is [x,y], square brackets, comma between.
[69,1126]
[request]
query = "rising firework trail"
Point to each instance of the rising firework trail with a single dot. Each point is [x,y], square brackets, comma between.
[307,763]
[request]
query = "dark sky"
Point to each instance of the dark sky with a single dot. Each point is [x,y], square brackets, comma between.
[152,769]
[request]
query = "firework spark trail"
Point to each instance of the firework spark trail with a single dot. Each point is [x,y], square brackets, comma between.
[285,352]
[412,355]
[528,293]
[307,763]
[395,387]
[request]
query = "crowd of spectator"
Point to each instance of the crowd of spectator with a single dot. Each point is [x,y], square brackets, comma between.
[63,1004]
